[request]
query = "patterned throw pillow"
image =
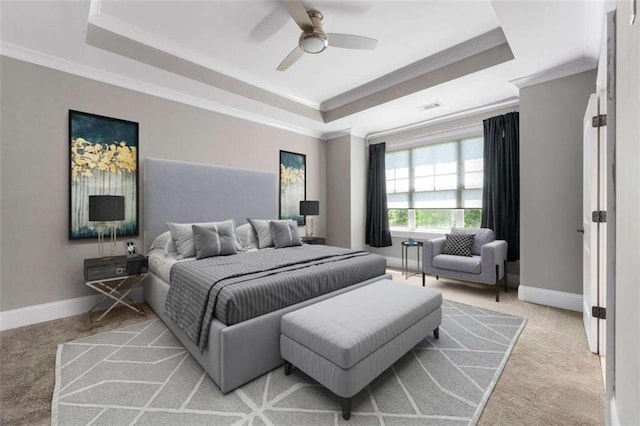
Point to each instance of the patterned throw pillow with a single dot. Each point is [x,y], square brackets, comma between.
[458,244]
[285,234]
[214,240]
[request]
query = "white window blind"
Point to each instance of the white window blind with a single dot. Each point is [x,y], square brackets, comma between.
[439,176]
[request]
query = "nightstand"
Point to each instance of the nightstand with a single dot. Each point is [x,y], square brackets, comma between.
[115,278]
[313,240]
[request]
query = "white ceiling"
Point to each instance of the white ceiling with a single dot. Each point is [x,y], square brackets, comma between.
[145,45]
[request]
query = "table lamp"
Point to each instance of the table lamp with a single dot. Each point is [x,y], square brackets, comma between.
[107,210]
[309,208]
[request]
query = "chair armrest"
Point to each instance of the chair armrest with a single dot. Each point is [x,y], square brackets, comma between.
[494,253]
[431,249]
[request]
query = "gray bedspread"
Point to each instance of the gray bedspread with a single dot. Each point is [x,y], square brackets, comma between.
[246,285]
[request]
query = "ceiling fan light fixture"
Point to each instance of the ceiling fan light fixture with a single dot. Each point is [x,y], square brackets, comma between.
[313,41]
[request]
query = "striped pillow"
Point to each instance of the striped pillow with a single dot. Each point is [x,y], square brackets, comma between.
[285,234]
[214,240]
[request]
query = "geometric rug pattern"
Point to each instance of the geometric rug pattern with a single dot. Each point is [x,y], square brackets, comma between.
[141,374]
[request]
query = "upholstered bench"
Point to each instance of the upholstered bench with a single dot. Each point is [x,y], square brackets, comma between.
[347,341]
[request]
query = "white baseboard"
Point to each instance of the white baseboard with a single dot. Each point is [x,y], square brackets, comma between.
[613,413]
[54,310]
[512,279]
[558,299]
[396,263]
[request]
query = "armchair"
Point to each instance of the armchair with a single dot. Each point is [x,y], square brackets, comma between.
[487,263]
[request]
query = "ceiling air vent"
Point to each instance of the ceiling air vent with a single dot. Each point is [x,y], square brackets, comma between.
[432,105]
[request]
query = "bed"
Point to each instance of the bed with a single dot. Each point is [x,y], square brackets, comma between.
[234,352]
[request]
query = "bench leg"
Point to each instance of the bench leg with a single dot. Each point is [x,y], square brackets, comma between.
[423,279]
[436,333]
[346,408]
[287,368]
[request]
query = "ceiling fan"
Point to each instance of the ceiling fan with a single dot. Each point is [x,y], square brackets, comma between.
[313,38]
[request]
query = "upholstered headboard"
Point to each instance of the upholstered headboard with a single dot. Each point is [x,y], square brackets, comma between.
[176,191]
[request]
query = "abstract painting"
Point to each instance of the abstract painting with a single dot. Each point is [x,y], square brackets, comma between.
[293,185]
[103,160]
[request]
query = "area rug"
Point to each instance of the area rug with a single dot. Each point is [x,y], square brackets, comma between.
[142,375]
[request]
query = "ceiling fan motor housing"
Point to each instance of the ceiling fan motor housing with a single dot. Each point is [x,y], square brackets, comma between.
[314,40]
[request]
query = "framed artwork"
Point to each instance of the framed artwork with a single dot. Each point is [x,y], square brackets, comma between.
[103,160]
[293,185]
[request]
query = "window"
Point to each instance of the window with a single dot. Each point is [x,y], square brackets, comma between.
[437,186]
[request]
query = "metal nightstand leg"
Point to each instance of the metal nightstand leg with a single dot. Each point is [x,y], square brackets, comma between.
[116,295]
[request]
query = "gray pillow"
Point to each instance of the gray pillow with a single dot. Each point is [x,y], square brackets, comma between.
[247,236]
[263,232]
[182,234]
[214,240]
[285,234]
[482,236]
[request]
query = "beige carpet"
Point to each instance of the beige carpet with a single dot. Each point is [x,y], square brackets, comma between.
[551,377]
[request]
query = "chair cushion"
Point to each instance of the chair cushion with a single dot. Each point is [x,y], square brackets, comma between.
[458,244]
[347,328]
[482,237]
[470,265]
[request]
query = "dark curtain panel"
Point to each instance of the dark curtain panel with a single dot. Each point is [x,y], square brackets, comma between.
[501,193]
[377,232]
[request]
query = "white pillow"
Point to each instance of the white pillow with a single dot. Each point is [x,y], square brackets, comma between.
[182,234]
[165,243]
[247,236]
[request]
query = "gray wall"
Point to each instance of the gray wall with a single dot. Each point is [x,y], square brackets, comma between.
[551,117]
[358,200]
[339,192]
[346,191]
[38,262]
[627,300]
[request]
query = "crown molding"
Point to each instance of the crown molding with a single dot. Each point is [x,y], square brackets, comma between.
[505,103]
[444,58]
[565,70]
[131,32]
[49,61]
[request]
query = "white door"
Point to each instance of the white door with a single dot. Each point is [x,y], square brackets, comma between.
[594,238]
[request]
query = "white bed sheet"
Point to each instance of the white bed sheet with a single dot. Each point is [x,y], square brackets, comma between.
[161,263]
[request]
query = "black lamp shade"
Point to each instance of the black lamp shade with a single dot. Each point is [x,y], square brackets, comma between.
[106,208]
[309,208]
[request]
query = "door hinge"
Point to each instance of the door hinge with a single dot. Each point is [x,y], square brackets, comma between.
[598,216]
[599,312]
[599,120]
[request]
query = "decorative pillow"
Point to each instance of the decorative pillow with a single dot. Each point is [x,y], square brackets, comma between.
[458,244]
[247,236]
[214,240]
[182,234]
[263,232]
[482,237]
[164,242]
[285,234]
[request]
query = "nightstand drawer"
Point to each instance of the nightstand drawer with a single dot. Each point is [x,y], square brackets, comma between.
[313,240]
[100,269]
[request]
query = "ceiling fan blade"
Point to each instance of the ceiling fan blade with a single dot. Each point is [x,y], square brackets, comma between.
[290,59]
[299,14]
[350,41]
